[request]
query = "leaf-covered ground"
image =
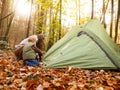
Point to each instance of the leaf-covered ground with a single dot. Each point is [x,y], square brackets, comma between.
[15,76]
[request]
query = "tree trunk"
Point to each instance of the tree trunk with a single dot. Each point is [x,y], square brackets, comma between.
[50,42]
[6,16]
[6,23]
[104,12]
[41,18]
[29,20]
[9,25]
[92,12]
[60,19]
[111,23]
[79,10]
[76,12]
[3,23]
[117,22]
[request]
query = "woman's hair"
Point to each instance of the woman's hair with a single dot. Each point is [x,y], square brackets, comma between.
[40,42]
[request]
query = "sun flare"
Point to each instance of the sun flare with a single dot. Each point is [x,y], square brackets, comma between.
[23,7]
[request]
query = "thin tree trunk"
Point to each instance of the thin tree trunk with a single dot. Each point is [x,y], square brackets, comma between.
[79,10]
[9,25]
[6,16]
[3,12]
[104,12]
[111,23]
[42,18]
[50,29]
[92,12]
[117,22]
[29,20]
[9,20]
[54,21]
[76,13]
[60,19]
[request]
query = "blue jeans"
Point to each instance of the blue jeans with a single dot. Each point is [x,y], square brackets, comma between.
[31,62]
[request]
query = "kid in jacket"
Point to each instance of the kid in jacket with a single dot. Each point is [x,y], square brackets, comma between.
[30,52]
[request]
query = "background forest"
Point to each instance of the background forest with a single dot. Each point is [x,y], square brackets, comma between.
[54,18]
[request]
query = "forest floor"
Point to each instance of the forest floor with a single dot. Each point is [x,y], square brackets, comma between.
[15,76]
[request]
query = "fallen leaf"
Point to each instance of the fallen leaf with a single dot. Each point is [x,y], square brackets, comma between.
[39,87]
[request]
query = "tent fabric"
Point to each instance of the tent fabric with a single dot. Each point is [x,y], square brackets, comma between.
[86,46]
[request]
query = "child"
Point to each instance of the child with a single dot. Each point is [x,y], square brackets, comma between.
[39,43]
[29,52]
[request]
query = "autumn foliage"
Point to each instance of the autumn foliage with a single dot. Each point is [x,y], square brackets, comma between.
[15,76]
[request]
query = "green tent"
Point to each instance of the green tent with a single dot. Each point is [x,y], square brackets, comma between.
[87,46]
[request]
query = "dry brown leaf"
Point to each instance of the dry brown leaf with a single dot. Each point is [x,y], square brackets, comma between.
[4,62]
[5,87]
[2,73]
[23,84]
[116,87]
[13,87]
[17,81]
[22,69]
[72,87]
[31,84]
[1,87]
[108,88]
[46,84]
[111,81]
[55,83]
[39,87]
